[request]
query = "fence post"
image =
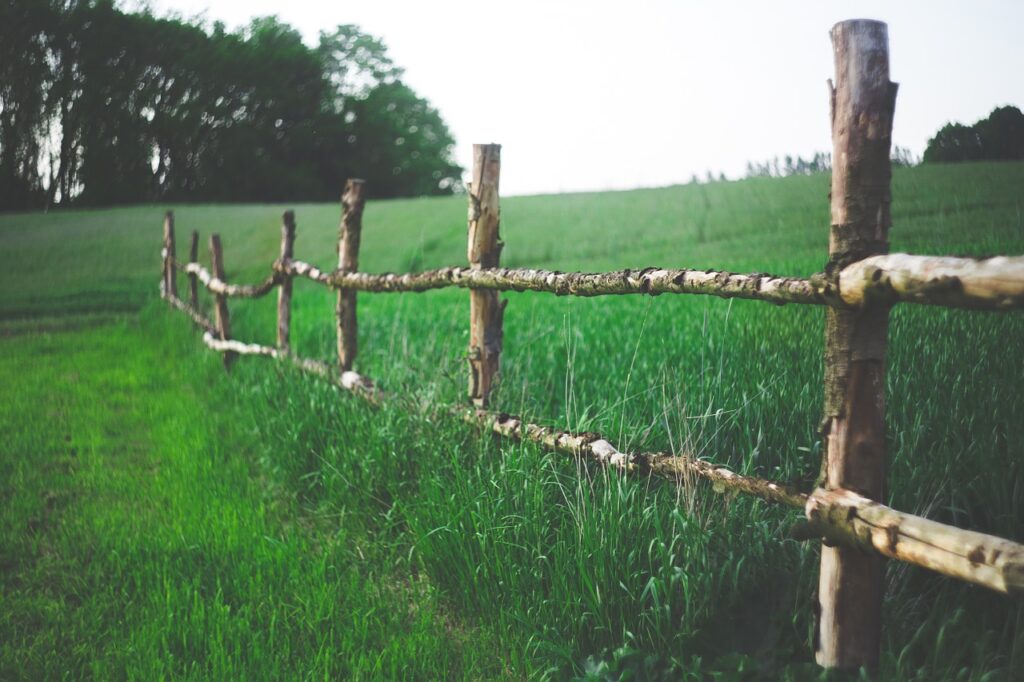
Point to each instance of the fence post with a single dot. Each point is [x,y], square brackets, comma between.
[484,251]
[221,300]
[170,288]
[284,293]
[352,202]
[851,583]
[193,278]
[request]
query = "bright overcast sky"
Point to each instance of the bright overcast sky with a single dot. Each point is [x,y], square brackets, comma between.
[599,95]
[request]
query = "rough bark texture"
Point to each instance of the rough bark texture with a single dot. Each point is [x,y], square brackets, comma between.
[650,281]
[170,281]
[284,293]
[986,284]
[855,521]
[349,233]
[197,317]
[484,251]
[220,300]
[673,467]
[979,284]
[216,285]
[350,381]
[193,281]
[851,586]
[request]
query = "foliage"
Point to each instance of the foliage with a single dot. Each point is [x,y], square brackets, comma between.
[99,106]
[1000,137]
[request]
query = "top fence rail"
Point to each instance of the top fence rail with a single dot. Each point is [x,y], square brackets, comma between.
[995,283]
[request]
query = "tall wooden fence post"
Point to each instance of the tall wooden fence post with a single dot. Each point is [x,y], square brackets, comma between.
[221,301]
[193,278]
[170,287]
[484,251]
[349,233]
[284,293]
[851,583]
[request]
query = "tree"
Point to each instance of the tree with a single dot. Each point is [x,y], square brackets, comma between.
[1000,137]
[102,106]
[1002,134]
[953,142]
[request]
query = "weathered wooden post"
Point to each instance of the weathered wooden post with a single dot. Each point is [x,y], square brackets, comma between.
[349,232]
[851,583]
[221,300]
[193,278]
[284,293]
[170,288]
[484,251]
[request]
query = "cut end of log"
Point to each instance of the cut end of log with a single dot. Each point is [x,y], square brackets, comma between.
[845,518]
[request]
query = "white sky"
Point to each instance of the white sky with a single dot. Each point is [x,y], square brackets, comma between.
[600,95]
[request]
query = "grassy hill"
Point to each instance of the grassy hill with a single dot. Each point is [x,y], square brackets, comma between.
[448,553]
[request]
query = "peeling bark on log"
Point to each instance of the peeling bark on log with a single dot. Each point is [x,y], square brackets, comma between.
[851,584]
[193,283]
[221,303]
[991,283]
[649,281]
[592,447]
[484,251]
[170,285]
[349,233]
[196,316]
[351,381]
[284,293]
[855,521]
[215,285]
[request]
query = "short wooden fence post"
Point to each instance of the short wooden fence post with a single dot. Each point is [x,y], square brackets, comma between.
[170,288]
[221,300]
[193,278]
[349,233]
[484,251]
[284,293]
[851,582]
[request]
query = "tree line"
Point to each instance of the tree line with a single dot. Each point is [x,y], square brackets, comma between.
[1000,137]
[100,106]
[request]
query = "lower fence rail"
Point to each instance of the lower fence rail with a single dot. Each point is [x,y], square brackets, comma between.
[838,516]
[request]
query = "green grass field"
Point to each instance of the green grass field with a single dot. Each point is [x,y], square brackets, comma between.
[162,519]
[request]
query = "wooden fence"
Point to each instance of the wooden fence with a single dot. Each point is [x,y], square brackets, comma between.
[860,284]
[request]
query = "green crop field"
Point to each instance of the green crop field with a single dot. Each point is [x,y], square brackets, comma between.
[160,518]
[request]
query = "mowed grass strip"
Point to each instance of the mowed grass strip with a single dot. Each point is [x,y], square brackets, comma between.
[142,538]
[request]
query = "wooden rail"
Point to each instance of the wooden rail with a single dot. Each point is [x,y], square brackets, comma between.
[970,283]
[840,515]
[858,288]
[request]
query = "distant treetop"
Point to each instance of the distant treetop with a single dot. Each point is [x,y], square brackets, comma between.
[102,106]
[1000,137]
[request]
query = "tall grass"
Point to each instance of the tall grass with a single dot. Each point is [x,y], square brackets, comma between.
[570,571]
